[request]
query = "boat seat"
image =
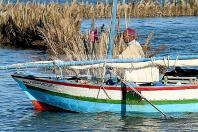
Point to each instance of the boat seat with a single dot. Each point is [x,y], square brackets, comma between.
[179,80]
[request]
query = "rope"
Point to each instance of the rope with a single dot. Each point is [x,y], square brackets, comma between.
[103,78]
[102,87]
[152,60]
[175,62]
[132,67]
[168,59]
[164,60]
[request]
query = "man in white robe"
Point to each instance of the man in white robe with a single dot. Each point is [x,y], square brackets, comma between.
[134,50]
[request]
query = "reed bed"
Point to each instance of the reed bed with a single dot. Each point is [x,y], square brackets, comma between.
[52,26]
[56,27]
[23,25]
[142,9]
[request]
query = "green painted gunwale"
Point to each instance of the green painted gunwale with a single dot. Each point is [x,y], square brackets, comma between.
[131,100]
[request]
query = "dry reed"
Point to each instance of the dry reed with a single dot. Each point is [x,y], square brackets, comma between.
[57,27]
[26,24]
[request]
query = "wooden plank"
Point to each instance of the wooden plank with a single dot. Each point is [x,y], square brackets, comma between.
[182,78]
[179,81]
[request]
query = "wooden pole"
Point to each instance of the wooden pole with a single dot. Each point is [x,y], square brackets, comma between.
[125,14]
[132,87]
[112,30]
[59,63]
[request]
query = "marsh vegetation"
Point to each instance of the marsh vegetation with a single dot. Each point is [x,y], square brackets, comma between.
[56,27]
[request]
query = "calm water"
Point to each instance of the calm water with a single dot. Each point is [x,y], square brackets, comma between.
[178,34]
[17,113]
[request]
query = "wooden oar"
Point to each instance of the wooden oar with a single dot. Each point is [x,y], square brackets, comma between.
[131,86]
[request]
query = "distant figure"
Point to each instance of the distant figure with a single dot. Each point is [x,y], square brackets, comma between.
[102,29]
[134,49]
[96,34]
[93,36]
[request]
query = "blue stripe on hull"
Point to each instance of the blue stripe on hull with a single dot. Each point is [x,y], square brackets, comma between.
[23,87]
[91,107]
[86,106]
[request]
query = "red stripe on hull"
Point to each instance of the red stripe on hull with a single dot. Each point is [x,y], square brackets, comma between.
[39,106]
[140,88]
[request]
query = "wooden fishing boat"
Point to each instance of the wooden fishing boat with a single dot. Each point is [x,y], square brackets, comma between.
[78,95]
[173,93]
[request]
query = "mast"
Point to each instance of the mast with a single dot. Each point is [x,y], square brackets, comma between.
[162,3]
[112,30]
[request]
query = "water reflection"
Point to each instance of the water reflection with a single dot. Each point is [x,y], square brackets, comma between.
[52,121]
